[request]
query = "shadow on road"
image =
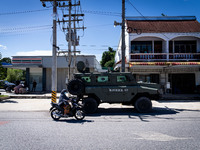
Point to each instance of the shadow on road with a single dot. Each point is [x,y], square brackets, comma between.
[131,111]
[8,101]
[74,121]
[156,113]
[178,101]
[117,115]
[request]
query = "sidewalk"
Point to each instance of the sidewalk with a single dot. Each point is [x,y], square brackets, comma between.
[48,96]
[27,105]
[41,102]
[33,95]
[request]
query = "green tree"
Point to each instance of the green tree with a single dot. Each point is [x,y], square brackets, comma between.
[108,58]
[15,75]
[3,71]
[10,74]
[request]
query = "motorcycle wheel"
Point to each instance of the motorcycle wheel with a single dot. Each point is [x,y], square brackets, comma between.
[79,115]
[55,114]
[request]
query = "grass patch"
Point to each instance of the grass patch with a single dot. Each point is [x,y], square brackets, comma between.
[4,96]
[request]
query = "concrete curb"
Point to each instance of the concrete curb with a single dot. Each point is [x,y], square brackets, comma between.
[31,97]
[4,98]
[180,97]
[48,96]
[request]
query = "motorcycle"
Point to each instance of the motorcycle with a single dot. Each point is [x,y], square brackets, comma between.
[76,111]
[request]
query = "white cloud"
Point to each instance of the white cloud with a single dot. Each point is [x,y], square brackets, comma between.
[35,53]
[3,47]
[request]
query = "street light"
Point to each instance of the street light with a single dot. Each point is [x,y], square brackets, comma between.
[117,24]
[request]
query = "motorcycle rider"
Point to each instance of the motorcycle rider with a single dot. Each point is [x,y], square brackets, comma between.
[64,101]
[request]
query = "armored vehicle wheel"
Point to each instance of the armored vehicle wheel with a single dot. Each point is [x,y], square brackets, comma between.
[90,105]
[143,105]
[75,87]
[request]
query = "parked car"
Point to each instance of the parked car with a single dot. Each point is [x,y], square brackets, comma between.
[8,86]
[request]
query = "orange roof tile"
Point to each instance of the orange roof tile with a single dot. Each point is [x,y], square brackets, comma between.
[158,26]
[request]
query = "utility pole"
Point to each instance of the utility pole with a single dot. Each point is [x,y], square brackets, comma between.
[68,36]
[71,36]
[70,41]
[74,43]
[54,56]
[123,48]
[54,50]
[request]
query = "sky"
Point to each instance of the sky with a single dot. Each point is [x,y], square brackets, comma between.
[26,26]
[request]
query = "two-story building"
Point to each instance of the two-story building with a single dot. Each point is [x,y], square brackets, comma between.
[164,50]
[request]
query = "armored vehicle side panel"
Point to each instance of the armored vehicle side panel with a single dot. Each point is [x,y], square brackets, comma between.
[112,94]
[97,88]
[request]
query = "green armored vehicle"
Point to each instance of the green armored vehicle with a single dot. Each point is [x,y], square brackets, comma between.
[96,88]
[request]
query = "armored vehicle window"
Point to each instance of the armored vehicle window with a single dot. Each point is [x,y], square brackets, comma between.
[86,79]
[102,79]
[121,78]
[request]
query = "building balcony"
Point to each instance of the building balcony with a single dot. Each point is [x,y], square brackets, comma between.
[163,57]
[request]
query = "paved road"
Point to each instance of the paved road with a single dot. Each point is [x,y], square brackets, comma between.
[112,127]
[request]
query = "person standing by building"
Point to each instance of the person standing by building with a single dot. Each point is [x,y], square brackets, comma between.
[34,85]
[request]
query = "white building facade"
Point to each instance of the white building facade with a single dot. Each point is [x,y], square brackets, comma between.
[165,50]
[39,68]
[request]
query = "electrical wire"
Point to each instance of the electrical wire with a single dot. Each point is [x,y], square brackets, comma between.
[94,26]
[102,13]
[82,11]
[136,9]
[24,29]
[75,10]
[97,46]
[28,27]
[23,12]
[145,18]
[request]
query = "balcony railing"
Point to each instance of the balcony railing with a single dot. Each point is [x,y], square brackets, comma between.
[151,57]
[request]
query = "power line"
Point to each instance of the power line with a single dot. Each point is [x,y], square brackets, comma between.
[28,27]
[101,25]
[102,13]
[136,8]
[24,29]
[23,12]
[83,11]
[98,46]
[146,18]
[40,27]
